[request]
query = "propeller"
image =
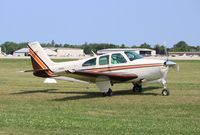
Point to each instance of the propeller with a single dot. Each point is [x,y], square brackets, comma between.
[168,62]
[166,52]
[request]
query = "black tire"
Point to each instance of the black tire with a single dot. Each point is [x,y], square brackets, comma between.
[137,88]
[104,94]
[165,92]
[108,93]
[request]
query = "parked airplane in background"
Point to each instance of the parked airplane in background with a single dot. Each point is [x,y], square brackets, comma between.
[103,70]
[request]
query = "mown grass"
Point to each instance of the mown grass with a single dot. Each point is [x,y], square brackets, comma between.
[27,106]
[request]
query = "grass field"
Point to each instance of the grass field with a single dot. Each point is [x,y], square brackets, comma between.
[27,106]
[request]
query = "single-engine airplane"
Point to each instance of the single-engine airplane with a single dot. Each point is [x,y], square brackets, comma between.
[103,70]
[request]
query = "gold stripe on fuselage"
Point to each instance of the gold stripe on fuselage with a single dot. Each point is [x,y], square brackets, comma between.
[123,67]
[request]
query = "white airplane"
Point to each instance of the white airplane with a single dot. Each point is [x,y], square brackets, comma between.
[103,70]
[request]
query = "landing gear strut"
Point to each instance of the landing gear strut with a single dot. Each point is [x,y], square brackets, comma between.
[108,93]
[165,91]
[137,88]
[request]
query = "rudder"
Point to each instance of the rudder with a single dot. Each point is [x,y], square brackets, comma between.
[40,61]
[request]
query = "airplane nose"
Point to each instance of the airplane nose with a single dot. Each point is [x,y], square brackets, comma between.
[171,64]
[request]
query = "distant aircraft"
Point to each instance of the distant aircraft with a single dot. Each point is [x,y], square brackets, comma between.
[103,70]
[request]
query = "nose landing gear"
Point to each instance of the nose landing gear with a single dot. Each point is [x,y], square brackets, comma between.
[165,91]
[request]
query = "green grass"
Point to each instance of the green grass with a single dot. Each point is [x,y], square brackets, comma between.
[27,106]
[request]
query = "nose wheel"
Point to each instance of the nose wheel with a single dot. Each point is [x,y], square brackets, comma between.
[165,92]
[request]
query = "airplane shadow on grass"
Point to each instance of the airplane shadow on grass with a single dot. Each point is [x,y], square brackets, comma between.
[86,94]
[34,91]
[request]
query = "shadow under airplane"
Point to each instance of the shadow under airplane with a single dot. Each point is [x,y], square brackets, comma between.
[86,94]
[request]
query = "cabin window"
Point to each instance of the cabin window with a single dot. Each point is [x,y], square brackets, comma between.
[91,62]
[117,58]
[104,60]
[132,55]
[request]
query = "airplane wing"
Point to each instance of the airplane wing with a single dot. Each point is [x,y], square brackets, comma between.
[112,76]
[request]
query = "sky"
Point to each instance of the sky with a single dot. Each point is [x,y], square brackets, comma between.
[129,22]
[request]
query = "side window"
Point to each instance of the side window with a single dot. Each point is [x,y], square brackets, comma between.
[91,62]
[132,55]
[117,58]
[104,60]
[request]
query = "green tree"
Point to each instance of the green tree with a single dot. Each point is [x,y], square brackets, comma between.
[10,47]
[122,46]
[134,46]
[66,45]
[87,49]
[198,48]
[160,49]
[181,46]
[145,45]
[53,43]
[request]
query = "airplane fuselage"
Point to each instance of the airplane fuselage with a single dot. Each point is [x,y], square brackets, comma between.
[146,70]
[103,70]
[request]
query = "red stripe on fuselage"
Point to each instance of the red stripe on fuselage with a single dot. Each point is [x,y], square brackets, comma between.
[124,67]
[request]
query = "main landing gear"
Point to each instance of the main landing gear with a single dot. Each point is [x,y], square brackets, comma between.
[108,93]
[104,85]
[137,88]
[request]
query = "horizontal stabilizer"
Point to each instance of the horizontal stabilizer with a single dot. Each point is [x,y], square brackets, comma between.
[69,79]
[50,80]
[35,70]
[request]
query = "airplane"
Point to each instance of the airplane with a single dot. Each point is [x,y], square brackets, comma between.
[103,70]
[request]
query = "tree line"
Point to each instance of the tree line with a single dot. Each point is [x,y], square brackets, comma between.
[181,46]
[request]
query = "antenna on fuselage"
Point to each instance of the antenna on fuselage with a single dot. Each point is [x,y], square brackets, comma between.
[94,54]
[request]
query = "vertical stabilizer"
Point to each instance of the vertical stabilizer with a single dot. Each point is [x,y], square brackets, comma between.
[40,60]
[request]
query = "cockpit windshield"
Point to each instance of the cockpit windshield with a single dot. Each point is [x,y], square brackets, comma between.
[132,55]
